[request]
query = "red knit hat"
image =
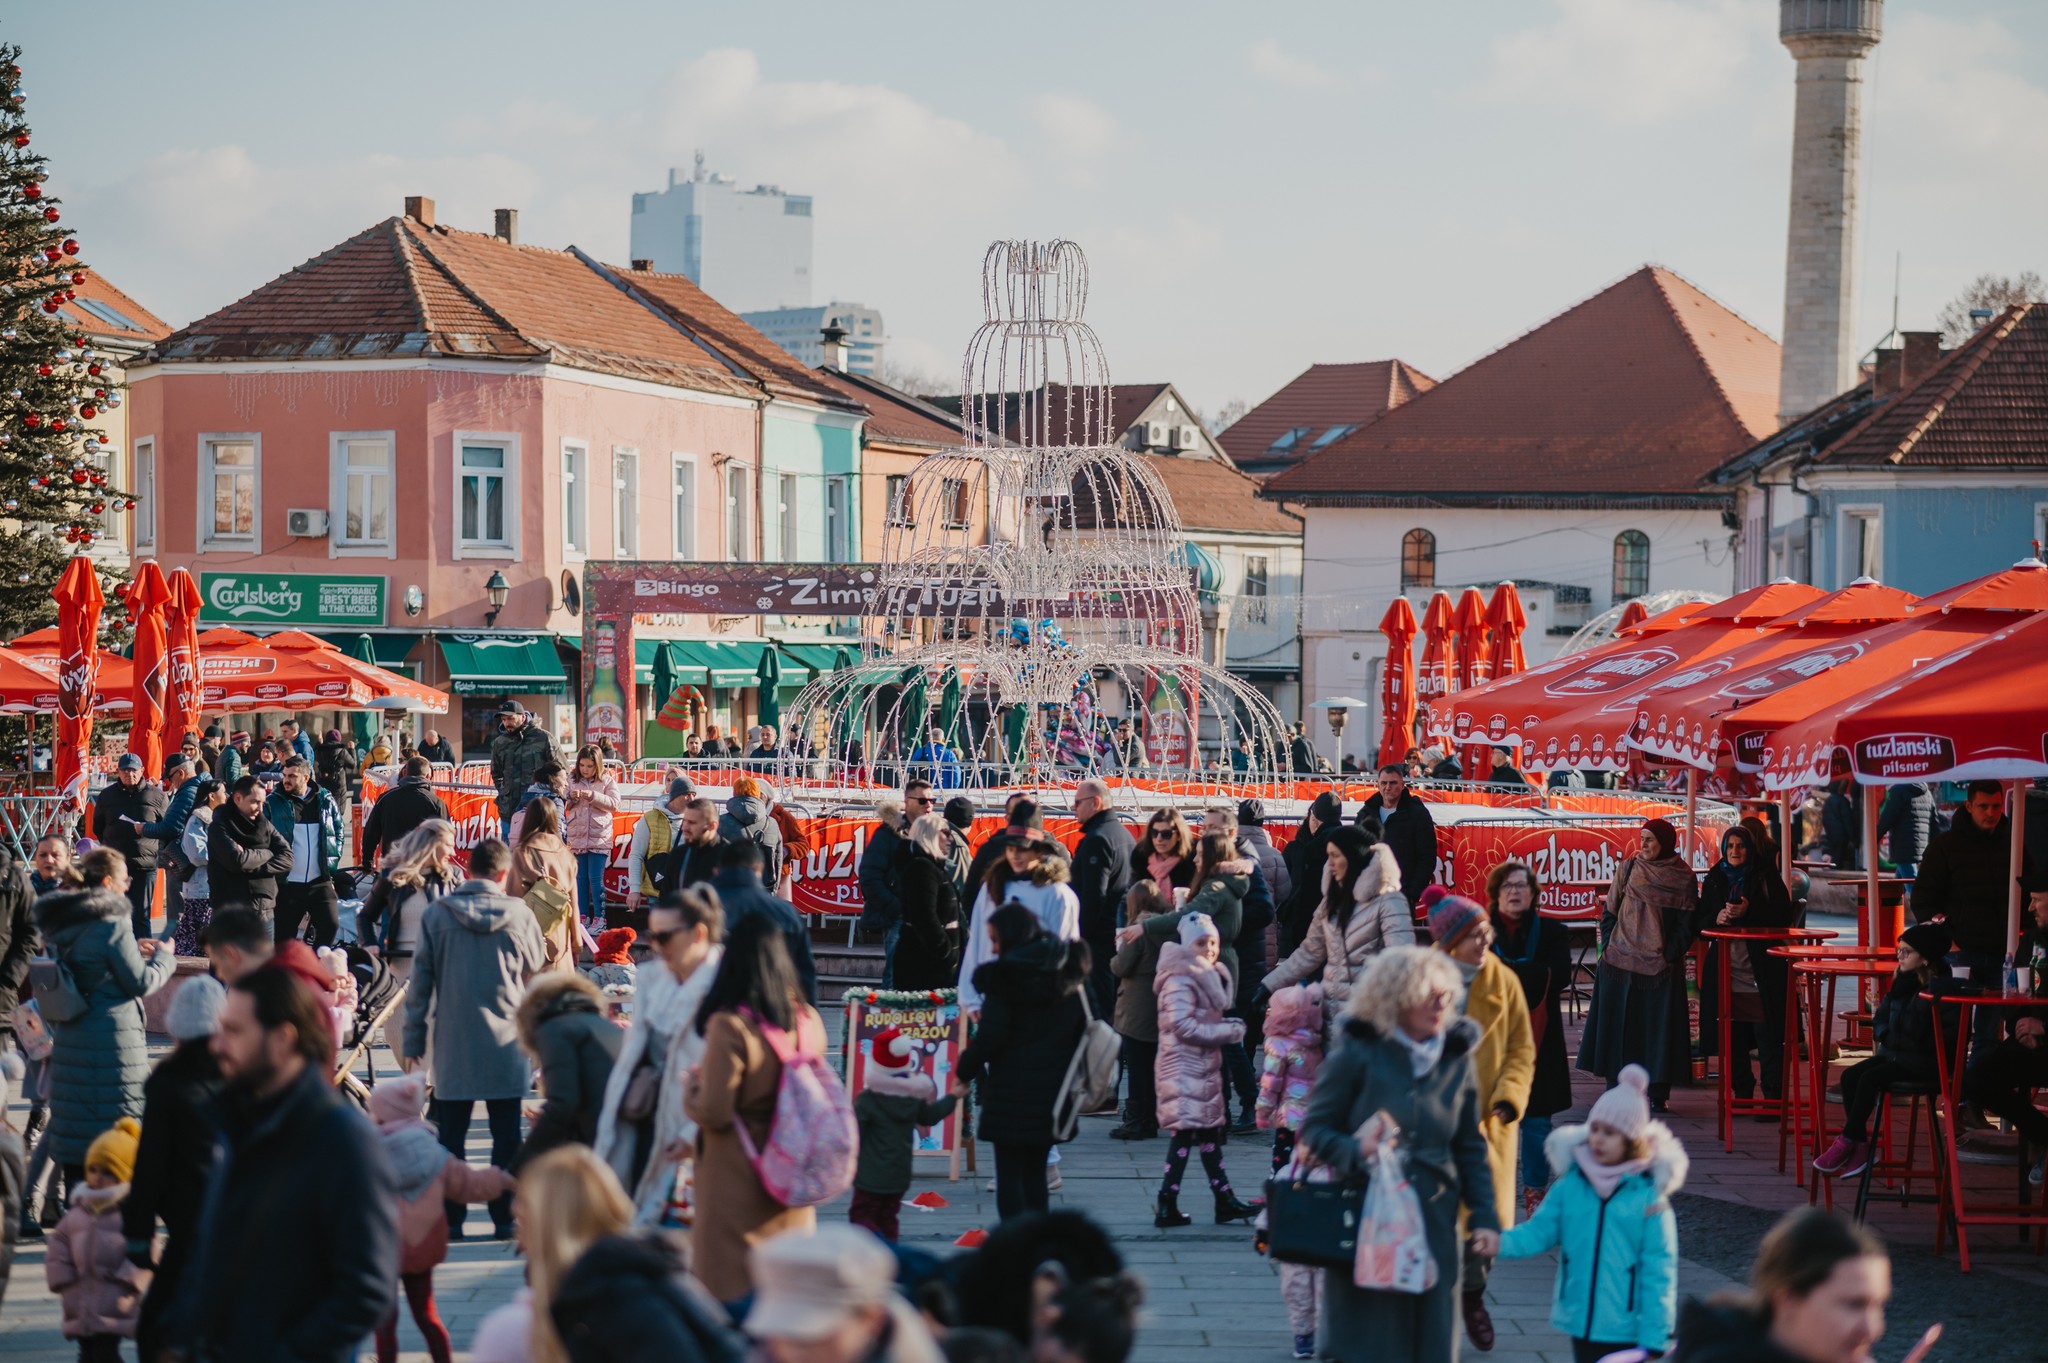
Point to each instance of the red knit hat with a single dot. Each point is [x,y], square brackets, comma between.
[612,944]
[892,1050]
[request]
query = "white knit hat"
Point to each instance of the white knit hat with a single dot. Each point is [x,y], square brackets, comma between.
[1626,1106]
[195,1009]
[1195,926]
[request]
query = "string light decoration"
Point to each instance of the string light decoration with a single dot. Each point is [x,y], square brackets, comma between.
[1035,585]
[53,386]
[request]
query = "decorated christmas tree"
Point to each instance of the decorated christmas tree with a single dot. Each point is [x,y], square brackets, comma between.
[53,487]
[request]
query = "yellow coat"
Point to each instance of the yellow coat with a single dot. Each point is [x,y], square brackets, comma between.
[1504,1063]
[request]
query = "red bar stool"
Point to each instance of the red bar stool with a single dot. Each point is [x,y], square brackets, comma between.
[1885,1162]
[1733,1106]
[1792,1117]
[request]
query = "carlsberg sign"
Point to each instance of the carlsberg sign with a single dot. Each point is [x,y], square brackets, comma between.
[290,599]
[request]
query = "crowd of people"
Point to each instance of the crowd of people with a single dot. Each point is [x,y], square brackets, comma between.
[1326,998]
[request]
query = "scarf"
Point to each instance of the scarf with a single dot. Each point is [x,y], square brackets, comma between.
[1605,1178]
[1422,1055]
[1504,928]
[1738,879]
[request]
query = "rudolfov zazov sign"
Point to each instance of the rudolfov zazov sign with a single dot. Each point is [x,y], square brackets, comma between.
[291,599]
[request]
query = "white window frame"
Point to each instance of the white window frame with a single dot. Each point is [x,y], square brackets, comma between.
[787,509]
[1254,604]
[682,500]
[575,500]
[838,520]
[625,502]
[206,540]
[896,492]
[338,545]
[508,441]
[144,488]
[739,513]
[1850,520]
[956,510]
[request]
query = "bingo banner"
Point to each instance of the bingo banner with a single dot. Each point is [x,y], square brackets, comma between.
[933,1024]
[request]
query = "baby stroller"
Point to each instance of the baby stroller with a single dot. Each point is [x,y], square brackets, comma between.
[378,994]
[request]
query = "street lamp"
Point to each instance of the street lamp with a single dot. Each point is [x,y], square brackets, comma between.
[496,590]
[1338,709]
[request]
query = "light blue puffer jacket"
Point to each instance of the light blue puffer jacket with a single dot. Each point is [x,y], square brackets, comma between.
[1617,1269]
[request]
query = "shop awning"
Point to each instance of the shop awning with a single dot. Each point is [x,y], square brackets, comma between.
[514,664]
[392,649]
[812,659]
[727,662]
[687,672]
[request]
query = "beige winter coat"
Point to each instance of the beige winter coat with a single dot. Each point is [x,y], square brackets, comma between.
[1379,919]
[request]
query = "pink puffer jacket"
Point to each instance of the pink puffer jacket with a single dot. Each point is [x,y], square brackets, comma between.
[1294,1051]
[88,1266]
[587,825]
[1192,1032]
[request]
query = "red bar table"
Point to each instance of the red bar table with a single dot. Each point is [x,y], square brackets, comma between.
[1811,975]
[1792,1117]
[1963,1213]
[1732,1106]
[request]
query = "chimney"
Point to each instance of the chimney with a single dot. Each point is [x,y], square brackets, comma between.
[420,209]
[835,346]
[643,266]
[1923,354]
[507,225]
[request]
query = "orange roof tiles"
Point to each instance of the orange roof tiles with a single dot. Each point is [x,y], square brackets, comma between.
[115,306]
[894,416]
[1639,391]
[1210,495]
[1319,399]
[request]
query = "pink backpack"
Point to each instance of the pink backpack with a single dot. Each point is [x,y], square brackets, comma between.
[813,1140]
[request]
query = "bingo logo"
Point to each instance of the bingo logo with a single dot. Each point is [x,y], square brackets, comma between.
[1900,755]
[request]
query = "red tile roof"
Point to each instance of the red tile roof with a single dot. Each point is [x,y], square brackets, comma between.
[146,325]
[1639,391]
[1210,495]
[401,288]
[1984,406]
[1322,397]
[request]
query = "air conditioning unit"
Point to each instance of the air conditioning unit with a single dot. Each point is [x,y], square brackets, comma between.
[1188,438]
[305,524]
[1156,436]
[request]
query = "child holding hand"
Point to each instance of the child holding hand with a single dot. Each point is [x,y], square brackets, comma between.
[1193,991]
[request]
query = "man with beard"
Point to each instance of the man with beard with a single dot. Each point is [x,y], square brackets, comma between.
[297,1256]
[307,817]
[119,812]
[244,854]
[694,859]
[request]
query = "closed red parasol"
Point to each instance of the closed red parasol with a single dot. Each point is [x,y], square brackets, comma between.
[79,603]
[146,596]
[181,680]
[1397,682]
[1437,675]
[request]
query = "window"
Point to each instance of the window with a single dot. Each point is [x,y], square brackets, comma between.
[1862,551]
[837,549]
[228,492]
[625,503]
[145,493]
[1631,565]
[1252,607]
[684,503]
[361,491]
[785,515]
[1334,434]
[898,493]
[953,498]
[1418,559]
[1288,440]
[739,521]
[575,498]
[484,517]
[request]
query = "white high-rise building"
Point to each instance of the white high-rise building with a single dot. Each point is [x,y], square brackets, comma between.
[800,331]
[748,248]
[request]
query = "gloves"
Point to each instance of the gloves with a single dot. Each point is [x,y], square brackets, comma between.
[1261,997]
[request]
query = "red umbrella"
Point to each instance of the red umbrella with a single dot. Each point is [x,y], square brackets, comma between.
[1474,664]
[146,596]
[1506,618]
[1397,682]
[1633,614]
[181,694]
[79,603]
[1439,664]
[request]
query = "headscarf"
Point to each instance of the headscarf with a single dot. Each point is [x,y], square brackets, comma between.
[1664,833]
[1738,876]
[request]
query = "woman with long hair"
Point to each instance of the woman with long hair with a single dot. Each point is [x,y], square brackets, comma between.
[418,870]
[928,952]
[1030,872]
[1166,854]
[587,828]
[755,1002]
[1744,890]
[1818,1288]
[196,889]
[542,855]
[567,1201]
[642,1131]
[1540,956]
[1637,1016]
[1362,914]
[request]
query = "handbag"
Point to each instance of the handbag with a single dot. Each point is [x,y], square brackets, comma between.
[549,904]
[57,994]
[643,1087]
[1315,1224]
[1090,1080]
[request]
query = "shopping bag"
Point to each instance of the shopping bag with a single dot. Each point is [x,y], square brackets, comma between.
[1393,1245]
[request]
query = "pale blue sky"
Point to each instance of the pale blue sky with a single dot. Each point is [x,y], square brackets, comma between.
[1259,186]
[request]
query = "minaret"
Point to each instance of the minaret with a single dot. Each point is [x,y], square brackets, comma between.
[1829,39]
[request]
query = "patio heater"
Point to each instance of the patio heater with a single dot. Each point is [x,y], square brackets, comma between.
[1337,709]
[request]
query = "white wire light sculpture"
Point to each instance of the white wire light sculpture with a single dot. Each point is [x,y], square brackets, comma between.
[1021,638]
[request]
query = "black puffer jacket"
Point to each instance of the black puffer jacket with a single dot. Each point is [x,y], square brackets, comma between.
[1964,876]
[244,859]
[575,1045]
[175,1153]
[398,811]
[19,939]
[1411,832]
[1031,1020]
[630,1299]
[928,952]
[1903,1022]
[1720,1332]
[1304,856]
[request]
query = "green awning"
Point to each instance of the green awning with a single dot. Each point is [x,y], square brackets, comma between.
[814,659]
[687,672]
[392,649]
[515,664]
[727,663]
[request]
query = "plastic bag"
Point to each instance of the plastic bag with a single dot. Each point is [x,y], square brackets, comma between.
[1393,1245]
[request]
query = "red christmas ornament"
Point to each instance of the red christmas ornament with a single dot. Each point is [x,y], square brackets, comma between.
[53,255]
[97,507]
[93,370]
[128,505]
[71,535]
[88,411]
[42,482]
[45,370]
[31,421]
[78,276]
[56,423]
[32,192]
[78,339]
[51,215]
[71,246]
[85,537]
[874,998]
[78,476]
[21,139]
[49,305]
